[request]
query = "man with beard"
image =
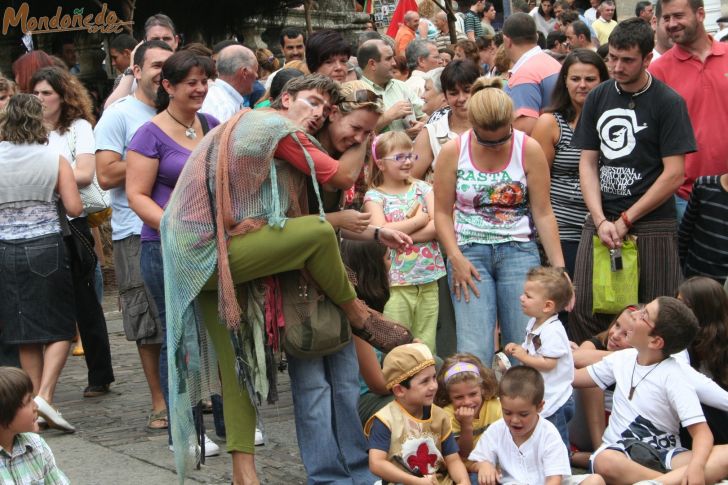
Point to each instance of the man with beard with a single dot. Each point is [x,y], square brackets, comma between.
[634,133]
[696,68]
[113,133]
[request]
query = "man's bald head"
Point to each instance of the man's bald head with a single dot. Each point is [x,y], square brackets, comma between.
[237,66]
[232,58]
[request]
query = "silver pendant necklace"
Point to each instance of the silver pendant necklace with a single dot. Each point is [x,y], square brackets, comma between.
[632,385]
[189,130]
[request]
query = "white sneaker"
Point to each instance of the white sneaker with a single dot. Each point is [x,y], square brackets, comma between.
[211,448]
[259,438]
[52,416]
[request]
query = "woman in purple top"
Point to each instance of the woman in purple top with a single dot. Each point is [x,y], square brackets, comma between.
[155,158]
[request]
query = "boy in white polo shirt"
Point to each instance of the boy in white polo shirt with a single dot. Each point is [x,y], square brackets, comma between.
[652,399]
[523,448]
[546,292]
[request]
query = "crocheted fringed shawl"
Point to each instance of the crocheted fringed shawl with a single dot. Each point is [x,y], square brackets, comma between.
[232,174]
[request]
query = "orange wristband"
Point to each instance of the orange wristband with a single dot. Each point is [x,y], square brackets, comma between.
[626,220]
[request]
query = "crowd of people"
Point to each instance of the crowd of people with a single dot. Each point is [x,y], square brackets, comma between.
[446,191]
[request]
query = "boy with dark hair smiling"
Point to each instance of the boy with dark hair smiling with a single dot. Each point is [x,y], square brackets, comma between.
[24,456]
[410,439]
[652,399]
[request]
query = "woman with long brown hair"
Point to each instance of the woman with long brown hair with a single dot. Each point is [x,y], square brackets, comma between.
[68,116]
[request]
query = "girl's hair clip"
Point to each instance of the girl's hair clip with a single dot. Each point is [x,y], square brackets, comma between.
[459,368]
[374,148]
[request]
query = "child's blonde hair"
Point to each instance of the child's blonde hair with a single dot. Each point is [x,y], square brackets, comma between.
[381,146]
[15,386]
[555,284]
[6,85]
[467,364]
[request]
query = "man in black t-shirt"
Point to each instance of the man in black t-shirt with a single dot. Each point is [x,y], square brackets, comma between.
[634,132]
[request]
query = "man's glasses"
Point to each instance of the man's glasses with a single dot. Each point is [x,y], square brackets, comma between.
[493,143]
[401,157]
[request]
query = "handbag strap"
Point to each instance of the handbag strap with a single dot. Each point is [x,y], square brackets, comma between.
[71,140]
[203,121]
[63,219]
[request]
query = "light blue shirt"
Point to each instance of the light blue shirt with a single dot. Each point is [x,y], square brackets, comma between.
[222,100]
[113,132]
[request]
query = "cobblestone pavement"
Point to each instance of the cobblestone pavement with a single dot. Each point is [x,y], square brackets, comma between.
[113,428]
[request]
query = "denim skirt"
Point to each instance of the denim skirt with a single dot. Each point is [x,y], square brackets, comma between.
[37,303]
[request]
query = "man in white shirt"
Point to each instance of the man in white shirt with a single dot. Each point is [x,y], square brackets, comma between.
[422,57]
[237,70]
[590,14]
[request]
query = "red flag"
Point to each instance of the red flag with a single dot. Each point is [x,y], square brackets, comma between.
[402,7]
[368,7]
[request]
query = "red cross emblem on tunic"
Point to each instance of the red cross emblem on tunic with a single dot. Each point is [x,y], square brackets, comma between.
[423,460]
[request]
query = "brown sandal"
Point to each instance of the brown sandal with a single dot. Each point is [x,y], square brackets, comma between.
[382,333]
[159,417]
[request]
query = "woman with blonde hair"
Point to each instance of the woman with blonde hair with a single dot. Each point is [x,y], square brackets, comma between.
[7,90]
[326,389]
[36,310]
[267,64]
[497,180]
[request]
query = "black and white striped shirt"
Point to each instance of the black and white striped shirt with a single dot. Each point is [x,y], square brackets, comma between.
[703,235]
[566,198]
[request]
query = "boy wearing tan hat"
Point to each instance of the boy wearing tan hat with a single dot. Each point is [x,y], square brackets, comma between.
[410,439]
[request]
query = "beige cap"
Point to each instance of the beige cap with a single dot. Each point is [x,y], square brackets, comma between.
[405,361]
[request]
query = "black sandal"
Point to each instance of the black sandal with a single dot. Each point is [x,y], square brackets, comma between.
[383,333]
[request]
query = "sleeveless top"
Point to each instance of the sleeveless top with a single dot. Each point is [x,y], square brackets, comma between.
[415,443]
[492,207]
[566,197]
[28,191]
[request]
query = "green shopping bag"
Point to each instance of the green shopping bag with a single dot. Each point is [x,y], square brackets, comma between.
[613,290]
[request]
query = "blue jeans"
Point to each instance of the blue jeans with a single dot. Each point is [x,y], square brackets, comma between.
[502,269]
[153,276]
[330,436]
[99,283]
[561,419]
[680,206]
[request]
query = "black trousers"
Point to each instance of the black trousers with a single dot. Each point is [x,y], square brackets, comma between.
[89,314]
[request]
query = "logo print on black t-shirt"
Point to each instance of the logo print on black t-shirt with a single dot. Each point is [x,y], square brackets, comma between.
[617,128]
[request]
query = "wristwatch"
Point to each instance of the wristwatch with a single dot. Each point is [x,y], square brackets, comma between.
[128,71]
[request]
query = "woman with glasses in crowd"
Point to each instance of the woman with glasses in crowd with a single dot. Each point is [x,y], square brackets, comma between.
[497,180]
